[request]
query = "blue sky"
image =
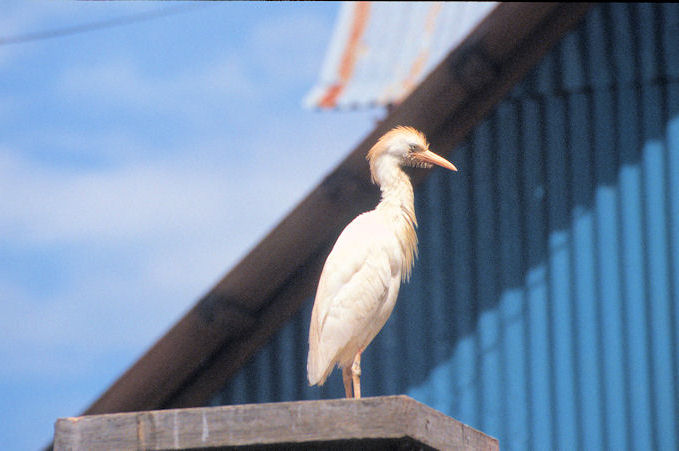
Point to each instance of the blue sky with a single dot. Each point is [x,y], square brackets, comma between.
[138,164]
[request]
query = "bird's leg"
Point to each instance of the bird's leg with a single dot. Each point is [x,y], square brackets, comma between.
[346,377]
[356,375]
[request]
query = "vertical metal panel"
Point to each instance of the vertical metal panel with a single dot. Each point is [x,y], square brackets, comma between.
[544,307]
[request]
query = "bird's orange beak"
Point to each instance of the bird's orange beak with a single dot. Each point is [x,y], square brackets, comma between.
[430,157]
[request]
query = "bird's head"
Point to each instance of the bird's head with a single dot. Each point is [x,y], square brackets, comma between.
[403,146]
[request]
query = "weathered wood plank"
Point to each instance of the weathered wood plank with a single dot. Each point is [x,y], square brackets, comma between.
[377,423]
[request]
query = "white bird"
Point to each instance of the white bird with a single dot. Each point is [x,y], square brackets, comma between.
[361,277]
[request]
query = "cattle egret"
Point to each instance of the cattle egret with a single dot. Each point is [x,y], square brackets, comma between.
[373,254]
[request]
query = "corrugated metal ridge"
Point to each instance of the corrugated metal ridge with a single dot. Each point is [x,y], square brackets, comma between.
[347,62]
[380,51]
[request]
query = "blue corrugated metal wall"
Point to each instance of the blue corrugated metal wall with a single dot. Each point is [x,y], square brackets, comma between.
[544,308]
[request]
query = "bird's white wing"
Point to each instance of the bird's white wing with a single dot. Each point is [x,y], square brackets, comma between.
[360,272]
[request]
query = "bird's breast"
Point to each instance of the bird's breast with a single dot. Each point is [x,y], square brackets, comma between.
[401,224]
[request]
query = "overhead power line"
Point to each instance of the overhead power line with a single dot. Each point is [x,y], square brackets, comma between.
[93,26]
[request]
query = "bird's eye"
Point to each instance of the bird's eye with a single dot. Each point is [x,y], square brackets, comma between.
[413,147]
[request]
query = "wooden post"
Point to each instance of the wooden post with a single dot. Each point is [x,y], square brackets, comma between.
[390,422]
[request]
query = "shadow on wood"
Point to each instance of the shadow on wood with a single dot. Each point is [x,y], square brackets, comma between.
[389,422]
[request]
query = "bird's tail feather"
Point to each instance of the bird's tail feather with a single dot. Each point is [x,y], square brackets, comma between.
[317,370]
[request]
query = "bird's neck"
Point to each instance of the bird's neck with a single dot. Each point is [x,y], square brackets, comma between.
[398,205]
[397,193]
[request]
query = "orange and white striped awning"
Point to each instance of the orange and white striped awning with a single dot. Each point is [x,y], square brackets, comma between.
[380,51]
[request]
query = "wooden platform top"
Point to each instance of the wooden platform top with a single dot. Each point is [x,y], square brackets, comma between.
[389,422]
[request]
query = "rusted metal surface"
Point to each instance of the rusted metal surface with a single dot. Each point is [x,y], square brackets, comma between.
[380,51]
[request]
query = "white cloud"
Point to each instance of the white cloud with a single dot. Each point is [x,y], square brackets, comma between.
[194,91]
[276,52]
[158,233]
[155,200]
[113,146]
[289,46]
